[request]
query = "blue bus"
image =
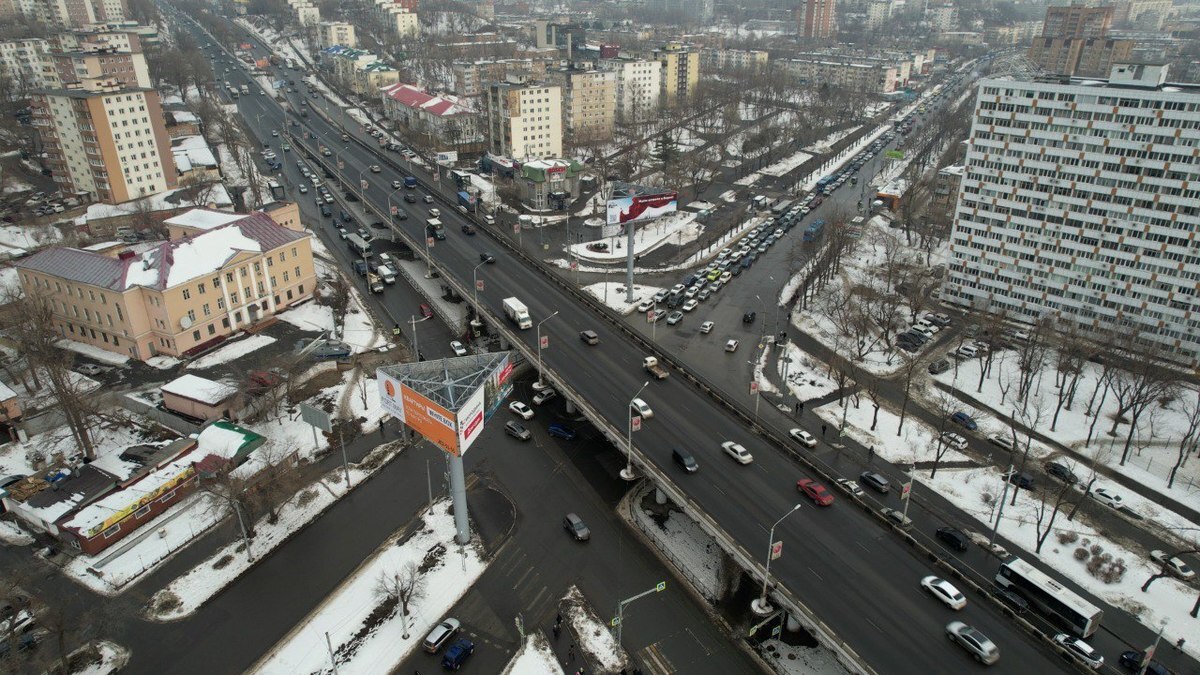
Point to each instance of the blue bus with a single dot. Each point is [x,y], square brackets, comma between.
[813,231]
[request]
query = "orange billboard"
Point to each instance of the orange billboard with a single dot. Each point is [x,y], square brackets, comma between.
[425,417]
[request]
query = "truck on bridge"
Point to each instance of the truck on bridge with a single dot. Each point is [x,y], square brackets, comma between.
[518,313]
[650,363]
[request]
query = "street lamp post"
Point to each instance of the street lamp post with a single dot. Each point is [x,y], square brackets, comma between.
[627,472]
[539,346]
[392,212]
[362,193]
[761,606]
[412,319]
[763,335]
[475,285]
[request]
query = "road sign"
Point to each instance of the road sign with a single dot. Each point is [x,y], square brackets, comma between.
[545,341]
[635,422]
[776,550]
[905,489]
[341,165]
[429,242]
[516,227]
[753,387]
[661,586]
[395,209]
[479,284]
[776,630]
[574,264]
[363,184]
[315,417]
[616,621]
[651,315]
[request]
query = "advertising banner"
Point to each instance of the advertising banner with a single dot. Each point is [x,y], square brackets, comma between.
[470,420]
[497,387]
[634,208]
[425,417]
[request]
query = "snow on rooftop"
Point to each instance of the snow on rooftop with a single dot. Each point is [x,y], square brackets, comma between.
[103,245]
[199,389]
[6,392]
[206,254]
[204,219]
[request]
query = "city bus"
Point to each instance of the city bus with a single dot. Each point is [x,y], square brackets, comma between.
[1050,597]
[358,245]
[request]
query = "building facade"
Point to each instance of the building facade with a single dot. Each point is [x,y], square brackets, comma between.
[472,77]
[122,61]
[27,65]
[816,19]
[360,71]
[180,296]
[1074,41]
[444,121]
[680,73]
[1080,202]
[735,59]
[548,184]
[639,87]
[589,102]
[104,139]
[330,33]
[845,74]
[524,119]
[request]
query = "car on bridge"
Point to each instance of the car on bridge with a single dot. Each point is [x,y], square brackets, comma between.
[803,438]
[850,486]
[976,643]
[944,591]
[737,452]
[814,491]
[875,481]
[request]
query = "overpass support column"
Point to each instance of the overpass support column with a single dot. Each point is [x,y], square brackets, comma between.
[571,409]
[793,624]
[504,345]
[660,497]
[458,492]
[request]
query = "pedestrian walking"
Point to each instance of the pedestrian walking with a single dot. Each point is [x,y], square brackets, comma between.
[557,630]
[571,653]
[1179,644]
[870,453]
[558,619]
[801,404]
[822,431]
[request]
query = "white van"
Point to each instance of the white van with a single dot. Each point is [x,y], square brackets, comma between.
[967,352]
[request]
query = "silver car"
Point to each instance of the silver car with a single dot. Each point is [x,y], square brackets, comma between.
[978,644]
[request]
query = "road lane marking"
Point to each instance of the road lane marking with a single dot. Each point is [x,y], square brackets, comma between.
[863,546]
[814,572]
[522,578]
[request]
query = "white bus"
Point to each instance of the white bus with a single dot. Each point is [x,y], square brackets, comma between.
[358,244]
[1050,597]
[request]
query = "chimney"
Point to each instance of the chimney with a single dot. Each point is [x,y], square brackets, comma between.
[126,255]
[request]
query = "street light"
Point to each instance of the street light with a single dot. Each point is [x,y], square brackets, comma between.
[362,193]
[392,214]
[760,606]
[414,321]
[764,318]
[475,285]
[627,472]
[539,345]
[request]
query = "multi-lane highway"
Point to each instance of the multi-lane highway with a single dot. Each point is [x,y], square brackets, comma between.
[859,578]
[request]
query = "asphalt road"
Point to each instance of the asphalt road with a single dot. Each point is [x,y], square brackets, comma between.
[861,579]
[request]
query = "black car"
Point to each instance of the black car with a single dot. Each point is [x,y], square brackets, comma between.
[1061,472]
[486,257]
[953,537]
[1132,659]
[410,198]
[748,317]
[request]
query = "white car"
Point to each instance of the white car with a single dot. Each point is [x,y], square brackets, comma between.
[1004,441]
[397,184]
[1174,565]
[458,347]
[645,306]
[375,168]
[521,410]
[642,408]
[954,440]
[544,396]
[731,346]
[725,277]
[803,438]
[945,591]
[1080,650]
[690,305]
[677,288]
[850,485]
[736,451]
[1106,497]
[691,292]
[706,327]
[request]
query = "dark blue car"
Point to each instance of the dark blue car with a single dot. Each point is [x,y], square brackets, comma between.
[457,654]
[964,420]
[562,431]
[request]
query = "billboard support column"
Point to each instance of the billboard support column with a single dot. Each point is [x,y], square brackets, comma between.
[458,493]
[629,263]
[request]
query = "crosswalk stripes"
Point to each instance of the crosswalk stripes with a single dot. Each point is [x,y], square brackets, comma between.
[654,661]
[483,621]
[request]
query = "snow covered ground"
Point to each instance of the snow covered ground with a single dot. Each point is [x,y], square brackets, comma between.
[829,141]
[806,377]
[918,442]
[12,535]
[798,660]
[188,592]
[612,294]
[94,353]
[534,658]
[678,228]
[690,547]
[231,351]
[372,645]
[113,658]
[595,638]
[28,237]
[786,164]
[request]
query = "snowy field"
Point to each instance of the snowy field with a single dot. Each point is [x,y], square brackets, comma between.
[612,294]
[678,228]
[806,377]
[363,641]
[786,164]
[917,441]
[231,351]
[188,592]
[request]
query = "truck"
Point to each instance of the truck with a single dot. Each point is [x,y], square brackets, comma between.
[387,273]
[245,90]
[374,283]
[276,189]
[359,245]
[518,313]
[813,231]
[465,200]
[360,267]
[650,363]
[410,182]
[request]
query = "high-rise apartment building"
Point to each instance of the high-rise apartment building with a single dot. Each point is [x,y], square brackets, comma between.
[816,18]
[122,62]
[589,102]
[639,87]
[738,59]
[105,139]
[26,64]
[1074,41]
[330,33]
[680,72]
[524,119]
[1080,202]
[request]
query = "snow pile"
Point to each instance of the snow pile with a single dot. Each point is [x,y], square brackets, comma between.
[113,658]
[367,633]
[94,353]
[13,535]
[799,660]
[690,547]
[764,384]
[918,442]
[231,352]
[829,141]
[310,316]
[535,658]
[593,635]
[805,380]
[677,228]
[783,166]
[612,294]
[188,592]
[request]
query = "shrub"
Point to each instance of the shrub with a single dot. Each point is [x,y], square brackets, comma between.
[1067,537]
[1081,554]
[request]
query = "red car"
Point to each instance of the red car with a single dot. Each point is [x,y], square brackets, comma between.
[426,311]
[814,491]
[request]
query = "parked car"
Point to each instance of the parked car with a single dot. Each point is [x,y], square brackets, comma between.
[1062,472]
[964,420]
[1082,651]
[1020,479]
[1134,660]
[737,452]
[953,537]
[954,440]
[675,317]
[875,481]
[1107,497]
[814,491]
[521,410]
[331,349]
[945,592]
[544,396]
[458,348]
[457,654]
[1173,565]
[575,525]
[803,438]
[976,643]
[441,634]
[89,369]
[561,431]
[1003,441]
[517,430]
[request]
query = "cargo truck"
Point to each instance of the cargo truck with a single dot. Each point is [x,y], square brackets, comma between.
[410,182]
[374,283]
[518,313]
[650,363]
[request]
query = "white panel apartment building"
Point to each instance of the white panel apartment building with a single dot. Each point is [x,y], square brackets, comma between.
[524,120]
[27,64]
[639,84]
[1081,201]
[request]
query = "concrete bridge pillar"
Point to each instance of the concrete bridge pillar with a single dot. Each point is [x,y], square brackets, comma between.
[793,624]
[571,409]
[660,497]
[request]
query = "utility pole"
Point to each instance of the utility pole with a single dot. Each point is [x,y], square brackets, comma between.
[1000,512]
[618,621]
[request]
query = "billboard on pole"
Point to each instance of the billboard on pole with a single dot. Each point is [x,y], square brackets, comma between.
[424,416]
[470,420]
[632,203]
[497,387]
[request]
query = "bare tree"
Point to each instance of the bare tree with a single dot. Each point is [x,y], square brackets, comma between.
[1191,435]
[403,588]
[944,407]
[1138,385]
[907,370]
[1043,522]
